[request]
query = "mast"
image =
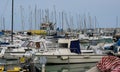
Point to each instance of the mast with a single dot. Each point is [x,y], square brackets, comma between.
[84,24]
[22,19]
[95,22]
[90,22]
[67,22]
[116,21]
[55,17]
[12,22]
[35,17]
[116,24]
[30,18]
[62,22]
[80,22]
[40,18]
[3,23]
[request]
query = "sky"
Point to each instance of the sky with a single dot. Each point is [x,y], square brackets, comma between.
[28,14]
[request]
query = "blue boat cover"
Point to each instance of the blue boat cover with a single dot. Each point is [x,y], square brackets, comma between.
[75,46]
[118,43]
[59,37]
[4,43]
[114,47]
[1,33]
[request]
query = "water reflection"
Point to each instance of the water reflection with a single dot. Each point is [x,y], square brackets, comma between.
[69,67]
[55,68]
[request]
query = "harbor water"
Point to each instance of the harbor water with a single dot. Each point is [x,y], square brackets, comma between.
[69,67]
[55,68]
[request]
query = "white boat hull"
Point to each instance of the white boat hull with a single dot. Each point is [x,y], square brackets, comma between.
[64,59]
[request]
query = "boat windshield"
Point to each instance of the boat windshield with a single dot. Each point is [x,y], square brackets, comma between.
[25,44]
[106,40]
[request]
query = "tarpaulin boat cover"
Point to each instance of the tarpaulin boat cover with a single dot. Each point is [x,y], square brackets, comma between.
[1,33]
[118,43]
[75,46]
[109,64]
[4,43]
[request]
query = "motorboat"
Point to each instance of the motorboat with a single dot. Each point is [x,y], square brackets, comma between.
[71,53]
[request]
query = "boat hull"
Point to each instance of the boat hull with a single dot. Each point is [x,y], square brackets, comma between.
[72,59]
